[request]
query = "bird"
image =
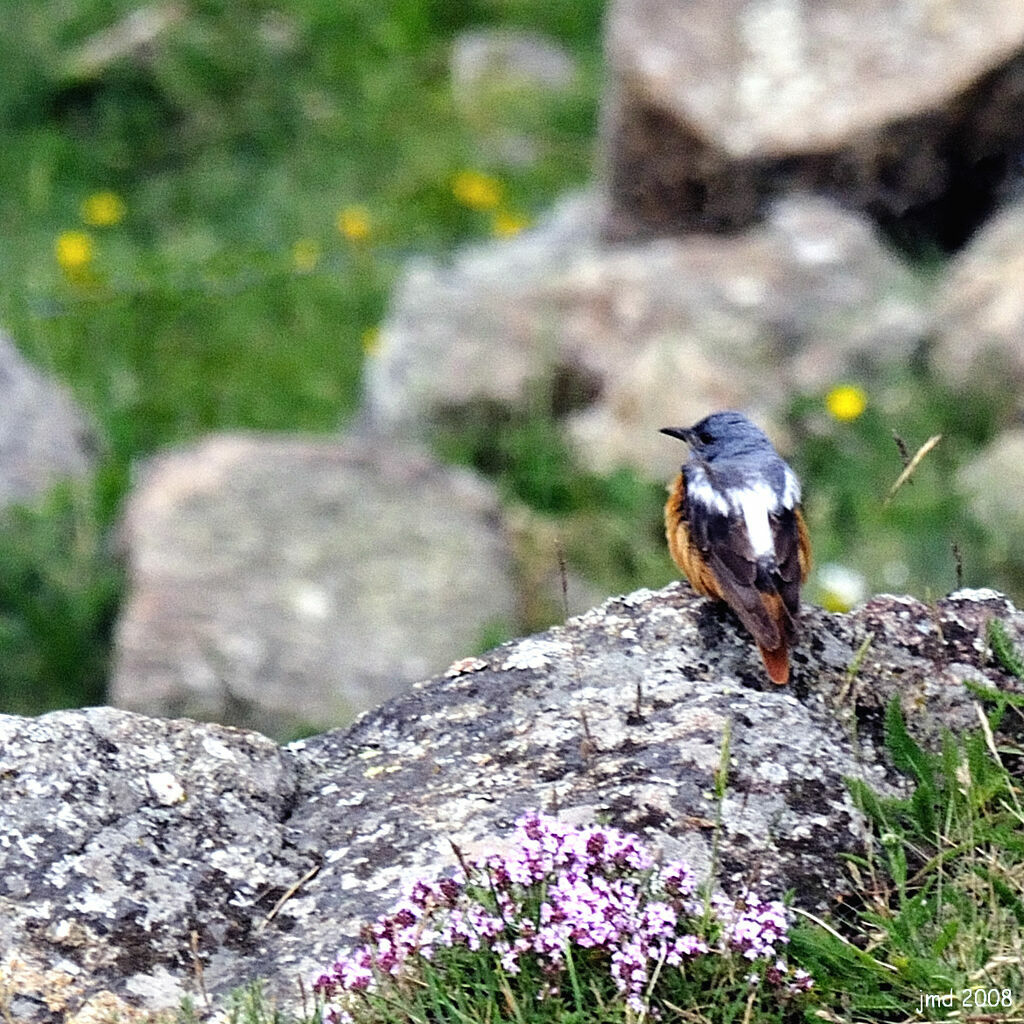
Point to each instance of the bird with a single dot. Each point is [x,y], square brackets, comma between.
[735,528]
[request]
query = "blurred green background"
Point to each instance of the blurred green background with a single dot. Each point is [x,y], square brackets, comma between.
[202,233]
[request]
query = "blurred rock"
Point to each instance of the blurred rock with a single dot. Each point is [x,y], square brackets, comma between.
[498,76]
[284,583]
[910,110]
[133,37]
[44,436]
[632,337]
[994,482]
[980,341]
[491,58]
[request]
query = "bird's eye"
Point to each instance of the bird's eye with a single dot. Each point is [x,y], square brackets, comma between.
[704,436]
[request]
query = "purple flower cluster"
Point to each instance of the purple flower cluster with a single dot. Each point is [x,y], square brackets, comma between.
[755,928]
[565,890]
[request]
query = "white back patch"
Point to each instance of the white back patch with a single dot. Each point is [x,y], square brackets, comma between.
[699,489]
[791,493]
[755,502]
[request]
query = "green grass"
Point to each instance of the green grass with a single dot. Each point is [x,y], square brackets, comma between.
[244,130]
[58,598]
[228,148]
[906,544]
[941,889]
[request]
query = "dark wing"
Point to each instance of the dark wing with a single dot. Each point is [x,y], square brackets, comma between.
[789,571]
[745,584]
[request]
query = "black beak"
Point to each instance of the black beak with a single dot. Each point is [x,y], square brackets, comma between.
[683,433]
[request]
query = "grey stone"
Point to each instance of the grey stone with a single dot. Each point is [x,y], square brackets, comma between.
[993,481]
[491,58]
[97,807]
[134,38]
[44,436]
[137,853]
[498,77]
[646,334]
[898,107]
[288,583]
[479,328]
[980,341]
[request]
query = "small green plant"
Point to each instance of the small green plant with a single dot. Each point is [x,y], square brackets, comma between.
[1002,647]
[942,891]
[251,1005]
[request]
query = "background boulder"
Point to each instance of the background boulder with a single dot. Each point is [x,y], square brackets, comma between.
[44,436]
[289,583]
[908,111]
[980,312]
[624,339]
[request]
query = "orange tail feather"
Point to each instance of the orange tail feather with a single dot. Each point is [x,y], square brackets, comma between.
[777,663]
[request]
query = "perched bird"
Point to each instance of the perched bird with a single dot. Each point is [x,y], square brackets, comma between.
[734,527]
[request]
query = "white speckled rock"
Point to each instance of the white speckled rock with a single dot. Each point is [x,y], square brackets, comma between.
[122,837]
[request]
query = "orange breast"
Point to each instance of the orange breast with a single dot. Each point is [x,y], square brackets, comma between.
[682,549]
[803,546]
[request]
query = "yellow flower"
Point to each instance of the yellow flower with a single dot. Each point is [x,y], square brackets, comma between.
[102,209]
[74,251]
[354,223]
[370,339]
[476,190]
[305,255]
[505,224]
[846,402]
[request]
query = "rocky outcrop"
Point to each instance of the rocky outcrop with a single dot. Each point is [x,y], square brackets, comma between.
[907,110]
[287,583]
[138,856]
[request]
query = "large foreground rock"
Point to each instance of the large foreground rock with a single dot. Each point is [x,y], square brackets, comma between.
[44,436]
[138,855]
[287,583]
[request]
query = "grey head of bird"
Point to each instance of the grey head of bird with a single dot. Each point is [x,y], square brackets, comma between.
[727,435]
